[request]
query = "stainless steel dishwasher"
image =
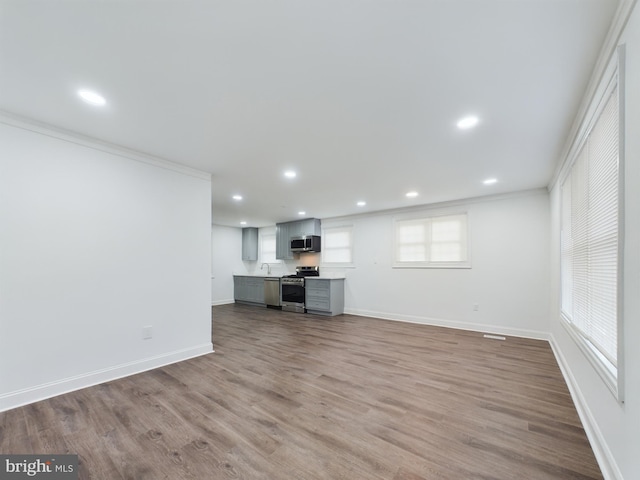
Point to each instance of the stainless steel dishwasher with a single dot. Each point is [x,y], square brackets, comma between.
[272,291]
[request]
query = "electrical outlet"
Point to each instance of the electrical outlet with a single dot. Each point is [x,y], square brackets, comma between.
[475,307]
[147,332]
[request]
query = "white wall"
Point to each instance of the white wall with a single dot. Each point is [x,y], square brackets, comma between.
[614,428]
[226,259]
[94,246]
[508,280]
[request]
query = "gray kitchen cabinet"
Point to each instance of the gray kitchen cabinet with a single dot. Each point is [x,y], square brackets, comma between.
[308,226]
[250,244]
[248,289]
[255,287]
[283,242]
[299,228]
[324,296]
[295,229]
[239,288]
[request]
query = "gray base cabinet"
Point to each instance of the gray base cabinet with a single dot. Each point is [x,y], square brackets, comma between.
[324,296]
[248,290]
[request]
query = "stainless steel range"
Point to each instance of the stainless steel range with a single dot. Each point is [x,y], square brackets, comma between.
[292,288]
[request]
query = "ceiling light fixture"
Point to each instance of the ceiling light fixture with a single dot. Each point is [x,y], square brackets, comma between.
[490,181]
[237,197]
[412,194]
[468,122]
[361,204]
[290,174]
[302,213]
[243,223]
[92,98]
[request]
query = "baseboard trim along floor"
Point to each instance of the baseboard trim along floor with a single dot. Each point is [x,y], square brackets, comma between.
[66,385]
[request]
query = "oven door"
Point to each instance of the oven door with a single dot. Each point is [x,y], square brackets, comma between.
[293,293]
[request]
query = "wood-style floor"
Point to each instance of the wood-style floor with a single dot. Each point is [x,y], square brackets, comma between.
[291,396]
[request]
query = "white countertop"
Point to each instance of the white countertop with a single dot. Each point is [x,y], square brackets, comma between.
[261,275]
[328,276]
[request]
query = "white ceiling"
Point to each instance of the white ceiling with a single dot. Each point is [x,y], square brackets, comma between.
[360,97]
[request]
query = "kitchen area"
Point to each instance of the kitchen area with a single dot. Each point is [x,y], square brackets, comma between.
[304,291]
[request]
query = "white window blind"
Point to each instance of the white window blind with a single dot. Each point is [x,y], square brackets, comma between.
[432,242]
[337,245]
[590,238]
[268,248]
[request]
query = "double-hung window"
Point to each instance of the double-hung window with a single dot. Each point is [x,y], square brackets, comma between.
[438,241]
[337,246]
[268,248]
[590,258]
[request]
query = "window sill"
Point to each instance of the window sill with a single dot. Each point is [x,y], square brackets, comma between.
[605,369]
[453,266]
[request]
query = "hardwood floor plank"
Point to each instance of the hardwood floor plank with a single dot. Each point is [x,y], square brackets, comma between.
[314,398]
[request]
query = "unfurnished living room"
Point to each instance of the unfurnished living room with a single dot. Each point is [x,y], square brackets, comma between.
[382,240]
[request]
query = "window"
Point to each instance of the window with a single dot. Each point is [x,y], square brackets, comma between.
[268,248]
[337,245]
[590,240]
[432,242]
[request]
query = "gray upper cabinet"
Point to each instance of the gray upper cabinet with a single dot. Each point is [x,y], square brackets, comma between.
[283,250]
[250,244]
[309,226]
[299,228]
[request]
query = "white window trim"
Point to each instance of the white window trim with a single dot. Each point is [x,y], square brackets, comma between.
[432,265]
[607,371]
[612,376]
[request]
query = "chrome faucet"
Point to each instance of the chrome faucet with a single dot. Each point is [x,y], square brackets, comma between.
[268,268]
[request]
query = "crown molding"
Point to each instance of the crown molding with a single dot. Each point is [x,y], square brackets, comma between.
[45,129]
[607,51]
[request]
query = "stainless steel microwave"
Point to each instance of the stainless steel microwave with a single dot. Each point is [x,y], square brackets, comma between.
[308,243]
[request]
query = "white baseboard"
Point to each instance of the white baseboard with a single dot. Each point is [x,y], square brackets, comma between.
[222,302]
[66,385]
[440,322]
[601,450]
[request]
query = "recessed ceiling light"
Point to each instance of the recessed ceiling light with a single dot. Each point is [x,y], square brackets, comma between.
[302,213]
[237,197]
[412,194]
[361,204]
[243,223]
[490,181]
[290,174]
[92,98]
[468,122]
